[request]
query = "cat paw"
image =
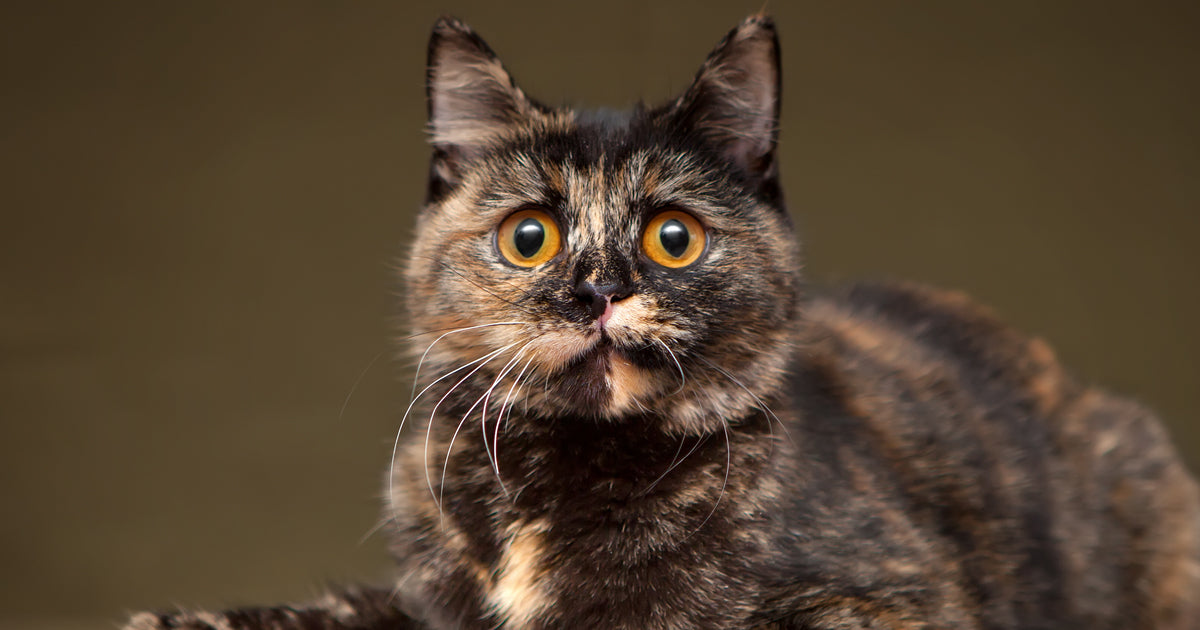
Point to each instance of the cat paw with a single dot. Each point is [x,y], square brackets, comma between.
[180,621]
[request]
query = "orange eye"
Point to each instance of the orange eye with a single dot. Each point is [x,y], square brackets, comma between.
[528,238]
[673,239]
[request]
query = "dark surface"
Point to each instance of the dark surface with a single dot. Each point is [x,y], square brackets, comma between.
[202,204]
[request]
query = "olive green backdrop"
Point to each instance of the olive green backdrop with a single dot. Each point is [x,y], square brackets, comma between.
[202,202]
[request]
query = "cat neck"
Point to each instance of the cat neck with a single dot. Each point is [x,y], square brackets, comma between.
[583,469]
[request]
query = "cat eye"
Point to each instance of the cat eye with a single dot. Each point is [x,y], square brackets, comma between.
[673,239]
[528,238]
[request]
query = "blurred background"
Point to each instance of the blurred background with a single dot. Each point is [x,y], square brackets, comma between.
[202,203]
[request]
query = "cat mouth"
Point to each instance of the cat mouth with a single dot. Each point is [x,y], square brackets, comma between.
[607,379]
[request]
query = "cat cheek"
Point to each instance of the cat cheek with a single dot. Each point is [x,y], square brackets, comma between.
[641,319]
[634,313]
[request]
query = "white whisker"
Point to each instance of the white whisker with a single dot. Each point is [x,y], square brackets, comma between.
[354,387]
[682,377]
[429,429]
[404,418]
[520,391]
[724,482]
[500,417]
[759,401]
[483,423]
[675,462]
[417,373]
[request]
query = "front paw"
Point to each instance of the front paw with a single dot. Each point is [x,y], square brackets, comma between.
[356,608]
[178,621]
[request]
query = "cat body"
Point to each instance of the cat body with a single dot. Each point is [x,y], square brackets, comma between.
[631,412]
[956,478]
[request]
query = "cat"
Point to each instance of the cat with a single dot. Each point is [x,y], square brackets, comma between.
[632,412]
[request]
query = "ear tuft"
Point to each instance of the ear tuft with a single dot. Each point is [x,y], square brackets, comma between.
[733,102]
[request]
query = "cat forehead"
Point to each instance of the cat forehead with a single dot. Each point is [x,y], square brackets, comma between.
[604,118]
[603,156]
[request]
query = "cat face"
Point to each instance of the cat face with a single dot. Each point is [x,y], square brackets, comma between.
[605,265]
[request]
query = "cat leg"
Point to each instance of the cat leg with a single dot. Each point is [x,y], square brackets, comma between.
[351,609]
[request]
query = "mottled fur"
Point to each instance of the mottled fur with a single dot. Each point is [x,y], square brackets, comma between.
[728,450]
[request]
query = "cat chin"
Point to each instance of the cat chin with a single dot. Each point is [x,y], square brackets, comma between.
[583,382]
[629,386]
[604,380]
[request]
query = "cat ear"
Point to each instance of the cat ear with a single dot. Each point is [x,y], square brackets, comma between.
[733,103]
[472,100]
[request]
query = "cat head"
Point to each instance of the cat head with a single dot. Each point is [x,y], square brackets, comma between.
[600,264]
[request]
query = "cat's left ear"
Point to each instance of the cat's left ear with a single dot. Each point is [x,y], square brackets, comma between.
[733,103]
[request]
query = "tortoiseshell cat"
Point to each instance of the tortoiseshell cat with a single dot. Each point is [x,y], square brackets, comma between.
[633,415]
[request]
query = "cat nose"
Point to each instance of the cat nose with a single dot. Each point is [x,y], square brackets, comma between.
[597,297]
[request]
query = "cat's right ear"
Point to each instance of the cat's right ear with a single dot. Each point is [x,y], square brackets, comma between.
[472,100]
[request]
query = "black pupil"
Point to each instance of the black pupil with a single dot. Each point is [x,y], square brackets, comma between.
[529,237]
[674,237]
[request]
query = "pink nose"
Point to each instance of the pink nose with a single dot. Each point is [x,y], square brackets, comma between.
[606,315]
[599,299]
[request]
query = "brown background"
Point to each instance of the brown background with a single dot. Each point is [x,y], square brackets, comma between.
[201,203]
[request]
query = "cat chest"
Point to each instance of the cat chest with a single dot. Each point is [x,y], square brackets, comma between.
[546,577]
